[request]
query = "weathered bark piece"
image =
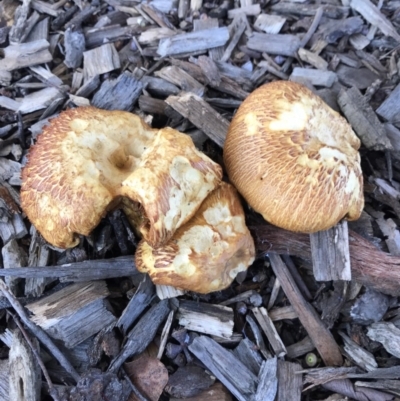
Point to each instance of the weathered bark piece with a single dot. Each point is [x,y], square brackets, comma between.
[268,23]
[331,31]
[9,103]
[100,60]
[359,41]
[12,227]
[4,380]
[25,55]
[370,307]
[331,253]
[372,62]
[22,25]
[359,77]
[269,329]
[249,10]
[40,334]
[258,337]
[5,77]
[97,36]
[370,266]
[315,77]
[330,11]
[391,233]
[390,386]
[248,354]
[64,17]
[280,44]
[361,357]
[25,374]
[165,334]
[8,168]
[13,256]
[89,86]
[244,296]
[320,335]
[46,76]
[157,15]
[39,100]
[267,381]
[154,35]
[202,115]
[300,348]
[390,108]
[363,119]
[205,24]
[74,313]
[225,367]
[138,303]
[182,79]
[151,105]
[237,27]
[205,318]
[388,335]
[46,8]
[142,334]
[284,312]
[374,16]
[88,270]
[387,188]
[118,94]
[188,380]
[290,383]
[74,42]
[217,392]
[159,86]
[79,101]
[314,59]
[193,41]
[183,8]
[227,84]
[347,389]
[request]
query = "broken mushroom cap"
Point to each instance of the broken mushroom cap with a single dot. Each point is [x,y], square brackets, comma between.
[88,161]
[294,159]
[206,253]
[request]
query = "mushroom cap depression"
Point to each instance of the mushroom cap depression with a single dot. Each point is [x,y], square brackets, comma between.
[88,161]
[206,253]
[294,159]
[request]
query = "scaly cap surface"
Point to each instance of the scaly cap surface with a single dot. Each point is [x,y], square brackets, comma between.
[81,167]
[206,253]
[294,159]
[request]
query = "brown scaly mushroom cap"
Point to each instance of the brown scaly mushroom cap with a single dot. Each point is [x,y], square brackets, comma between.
[206,253]
[294,159]
[88,161]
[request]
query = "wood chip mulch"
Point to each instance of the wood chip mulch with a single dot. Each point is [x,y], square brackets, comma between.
[84,324]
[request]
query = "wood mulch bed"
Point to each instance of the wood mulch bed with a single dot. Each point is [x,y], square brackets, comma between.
[315,317]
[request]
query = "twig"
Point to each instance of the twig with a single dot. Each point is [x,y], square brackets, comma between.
[52,390]
[313,27]
[38,332]
[369,265]
[306,38]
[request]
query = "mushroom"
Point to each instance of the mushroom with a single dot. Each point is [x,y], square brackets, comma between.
[294,159]
[88,161]
[206,253]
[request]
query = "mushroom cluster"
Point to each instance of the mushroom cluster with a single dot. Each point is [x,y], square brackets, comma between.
[294,159]
[88,161]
